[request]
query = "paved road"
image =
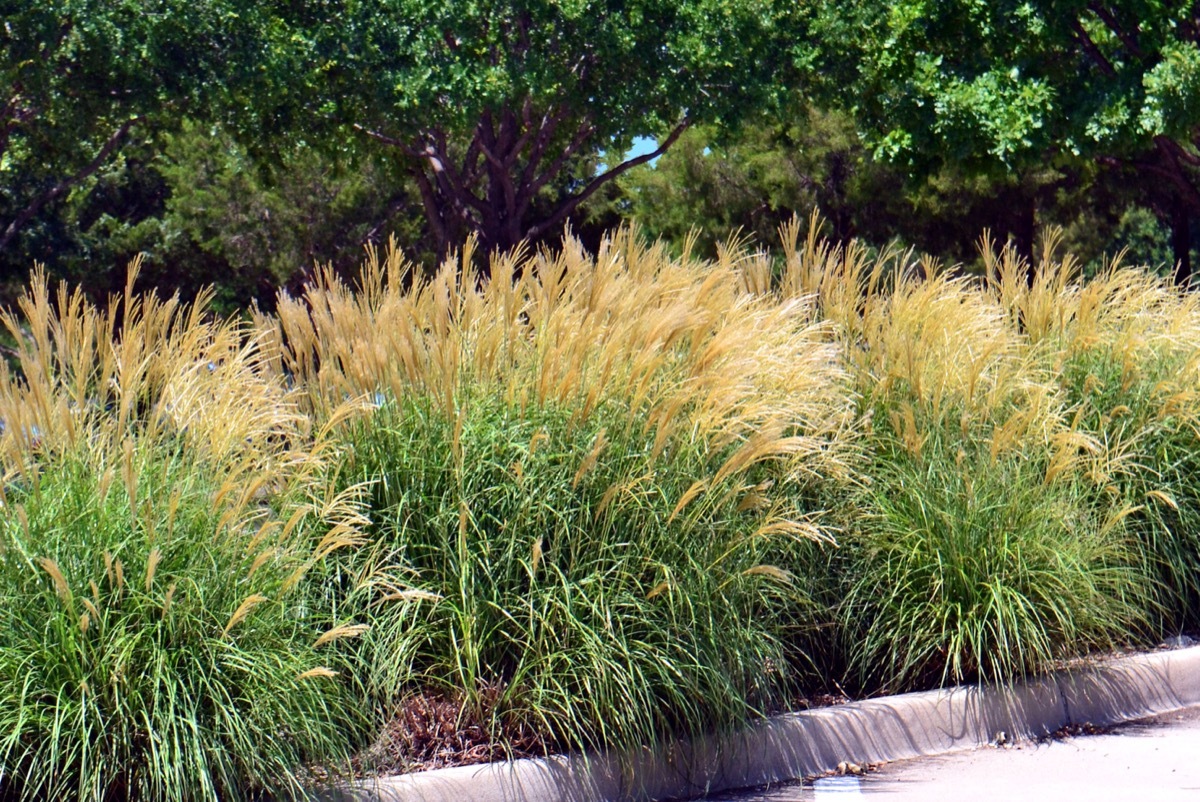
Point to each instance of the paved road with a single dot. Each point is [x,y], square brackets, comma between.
[1157,760]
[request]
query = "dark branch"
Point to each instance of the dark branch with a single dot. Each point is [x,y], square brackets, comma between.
[485,136]
[546,129]
[106,150]
[437,154]
[433,212]
[1179,151]
[470,163]
[1175,172]
[565,209]
[1128,38]
[1089,47]
[526,132]
[582,134]
[388,140]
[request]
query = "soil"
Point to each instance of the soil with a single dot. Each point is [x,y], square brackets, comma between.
[432,731]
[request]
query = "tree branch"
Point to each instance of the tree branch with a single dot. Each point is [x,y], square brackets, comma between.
[508,134]
[470,163]
[436,153]
[500,184]
[1179,151]
[547,127]
[1129,39]
[503,151]
[388,140]
[526,132]
[565,209]
[106,150]
[1169,150]
[1089,46]
[582,134]
[433,212]
[485,136]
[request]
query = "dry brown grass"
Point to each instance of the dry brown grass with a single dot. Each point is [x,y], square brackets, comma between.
[165,500]
[677,342]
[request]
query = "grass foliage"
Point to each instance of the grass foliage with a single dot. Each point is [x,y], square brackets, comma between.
[1022,496]
[965,566]
[587,484]
[591,499]
[157,530]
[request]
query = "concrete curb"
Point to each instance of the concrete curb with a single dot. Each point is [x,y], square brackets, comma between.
[795,745]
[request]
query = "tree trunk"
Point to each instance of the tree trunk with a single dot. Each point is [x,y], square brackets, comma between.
[488,187]
[1181,241]
[1024,230]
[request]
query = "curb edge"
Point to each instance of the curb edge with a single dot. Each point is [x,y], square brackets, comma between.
[794,745]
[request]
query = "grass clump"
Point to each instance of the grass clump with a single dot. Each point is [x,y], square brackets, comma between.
[978,543]
[965,567]
[544,560]
[156,535]
[584,484]
[1128,353]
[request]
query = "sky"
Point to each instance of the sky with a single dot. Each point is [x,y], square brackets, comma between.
[641,146]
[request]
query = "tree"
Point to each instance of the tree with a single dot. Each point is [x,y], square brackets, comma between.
[489,104]
[1016,85]
[220,218]
[804,159]
[758,176]
[80,78]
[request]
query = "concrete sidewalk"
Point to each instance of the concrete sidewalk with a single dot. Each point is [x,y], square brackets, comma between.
[1155,759]
[1150,759]
[814,742]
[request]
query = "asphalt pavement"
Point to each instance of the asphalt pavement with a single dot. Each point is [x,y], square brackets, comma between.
[1156,759]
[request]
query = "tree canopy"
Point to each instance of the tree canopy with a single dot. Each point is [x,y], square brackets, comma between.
[79,78]
[245,140]
[491,104]
[1002,86]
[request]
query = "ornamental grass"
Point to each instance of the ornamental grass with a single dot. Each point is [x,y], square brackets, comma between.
[590,482]
[586,500]
[164,503]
